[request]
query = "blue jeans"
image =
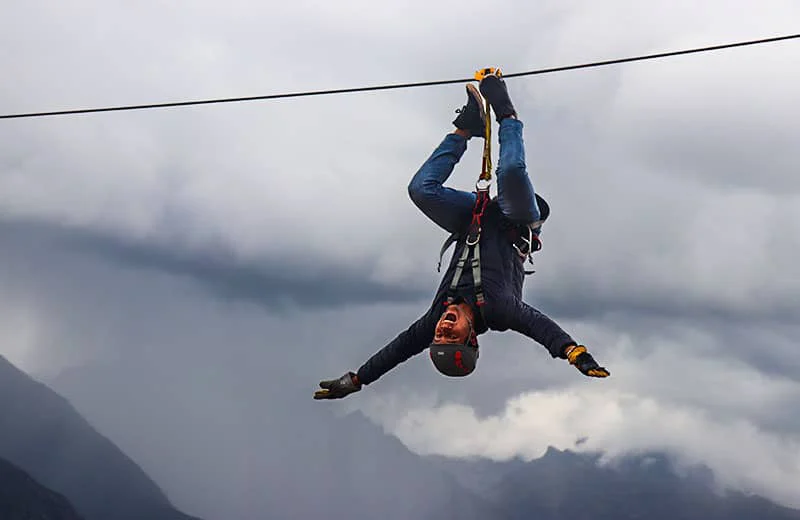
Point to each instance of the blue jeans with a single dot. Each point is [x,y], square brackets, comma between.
[451,209]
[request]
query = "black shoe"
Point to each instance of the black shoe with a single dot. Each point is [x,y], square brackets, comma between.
[472,116]
[494,90]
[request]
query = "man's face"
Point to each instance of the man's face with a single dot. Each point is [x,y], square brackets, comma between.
[452,327]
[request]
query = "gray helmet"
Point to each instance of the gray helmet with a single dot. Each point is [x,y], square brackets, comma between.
[454,360]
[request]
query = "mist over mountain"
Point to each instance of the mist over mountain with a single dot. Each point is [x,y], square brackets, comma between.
[274,456]
[284,456]
[323,463]
[41,433]
[564,485]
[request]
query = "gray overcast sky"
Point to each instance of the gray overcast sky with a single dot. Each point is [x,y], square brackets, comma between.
[226,251]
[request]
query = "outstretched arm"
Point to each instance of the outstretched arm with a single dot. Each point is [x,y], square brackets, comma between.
[408,343]
[522,318]
[416,338]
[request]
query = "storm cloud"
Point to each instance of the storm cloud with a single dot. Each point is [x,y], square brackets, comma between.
[171,271]
[273,284]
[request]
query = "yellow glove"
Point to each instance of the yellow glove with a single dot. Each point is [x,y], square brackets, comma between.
[578,356]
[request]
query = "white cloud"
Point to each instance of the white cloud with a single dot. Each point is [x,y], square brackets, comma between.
[742,455]
[672,184]
[678,395]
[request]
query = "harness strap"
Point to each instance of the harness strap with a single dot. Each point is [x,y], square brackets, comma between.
[452,239]
[524,246]
[472,243]
[482,186]
[472,248]
[476,277]
[457,275]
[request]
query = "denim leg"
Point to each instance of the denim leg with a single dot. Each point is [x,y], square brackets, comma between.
[515,193]
[449,208]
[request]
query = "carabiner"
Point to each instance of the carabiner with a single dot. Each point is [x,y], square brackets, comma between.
[482,73]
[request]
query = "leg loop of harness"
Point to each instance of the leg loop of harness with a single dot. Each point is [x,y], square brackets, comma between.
[526,244]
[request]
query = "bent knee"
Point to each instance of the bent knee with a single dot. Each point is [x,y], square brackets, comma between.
[531,215]
[522,211]
[420,191]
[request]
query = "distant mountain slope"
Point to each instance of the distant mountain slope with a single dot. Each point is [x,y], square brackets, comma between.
[271,454]
[570,486]
[41,433]
[262,452]
[22,498]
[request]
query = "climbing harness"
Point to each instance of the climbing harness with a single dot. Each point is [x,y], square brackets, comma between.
[525,240]
[482,186]
[459,360]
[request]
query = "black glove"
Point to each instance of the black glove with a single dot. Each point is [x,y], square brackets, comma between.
[338,388]
[583,361]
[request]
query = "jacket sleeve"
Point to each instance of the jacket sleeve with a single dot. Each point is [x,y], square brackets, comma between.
[416,338]
[520,317]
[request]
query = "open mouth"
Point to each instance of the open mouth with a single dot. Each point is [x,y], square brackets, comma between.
[450,316]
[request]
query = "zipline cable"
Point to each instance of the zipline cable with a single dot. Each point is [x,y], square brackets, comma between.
[401,85]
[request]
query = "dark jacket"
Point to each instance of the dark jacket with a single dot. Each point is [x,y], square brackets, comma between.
[502,274]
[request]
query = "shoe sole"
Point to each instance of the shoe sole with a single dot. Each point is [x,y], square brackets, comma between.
[477,96]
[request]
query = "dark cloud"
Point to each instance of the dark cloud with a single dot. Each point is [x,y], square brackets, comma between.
[271,283]
[210,261]
[680,308]
[274,284]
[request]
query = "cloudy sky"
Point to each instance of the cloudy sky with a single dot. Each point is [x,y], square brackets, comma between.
[233,255]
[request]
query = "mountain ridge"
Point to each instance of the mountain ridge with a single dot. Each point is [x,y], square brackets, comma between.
[320,463]
[23,498]
[43,434]
[564,485]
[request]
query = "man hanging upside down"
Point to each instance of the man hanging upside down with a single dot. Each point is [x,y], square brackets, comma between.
[484,293]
